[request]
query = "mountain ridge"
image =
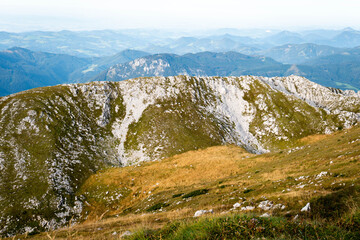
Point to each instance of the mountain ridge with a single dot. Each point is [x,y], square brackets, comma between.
[199,64]
[338,70]
[56,137]
[299,53]
[22,69]
[106,42]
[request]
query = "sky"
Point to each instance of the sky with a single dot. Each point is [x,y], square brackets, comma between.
[28,15]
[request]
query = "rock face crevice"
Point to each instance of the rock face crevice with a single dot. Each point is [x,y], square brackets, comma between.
[52,139]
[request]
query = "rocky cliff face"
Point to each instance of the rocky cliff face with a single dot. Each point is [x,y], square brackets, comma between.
[198,64]
[52,139]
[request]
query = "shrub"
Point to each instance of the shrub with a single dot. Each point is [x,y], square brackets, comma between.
[157,206]
[248,190]
[196,193]
[177,195]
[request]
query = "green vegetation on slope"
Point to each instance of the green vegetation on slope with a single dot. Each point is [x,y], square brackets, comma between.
[322,171]
[292,175]
[51,147]
[53,139]
[238,226]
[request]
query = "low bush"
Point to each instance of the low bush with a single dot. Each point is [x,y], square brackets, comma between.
[248,190]
[157,206]
[196,193]
[177,195]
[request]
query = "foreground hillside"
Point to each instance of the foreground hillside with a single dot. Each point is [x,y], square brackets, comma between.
[53,139]
[160,198]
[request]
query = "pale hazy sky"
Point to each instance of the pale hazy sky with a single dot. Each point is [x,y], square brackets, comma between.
[25,15]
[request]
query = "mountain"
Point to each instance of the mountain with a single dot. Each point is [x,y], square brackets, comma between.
[236,38]
[253,33]
[341,68]
[120,57]
[199,64]
[54,138]
[298,53]
[347,55]
[285,37]
[153,65]
[229,63]
[22,69]
[321,33]
[101,43]
[97,43]
[344,76]
[347,38]
[98,65]
[216,43]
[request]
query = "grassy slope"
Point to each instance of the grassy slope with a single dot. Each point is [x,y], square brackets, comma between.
[54,142]
[60,144]
[153,193]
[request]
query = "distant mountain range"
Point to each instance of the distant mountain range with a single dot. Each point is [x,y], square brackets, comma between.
[97,65]
[299,53]
[199,64]
[80,44]
[22,69]
[340,70]
[108,42]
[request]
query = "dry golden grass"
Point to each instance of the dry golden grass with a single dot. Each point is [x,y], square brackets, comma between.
[226,171]
[188,168]
[275,175]
[313,138]
[105,228]
[196,169]
[183,170]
